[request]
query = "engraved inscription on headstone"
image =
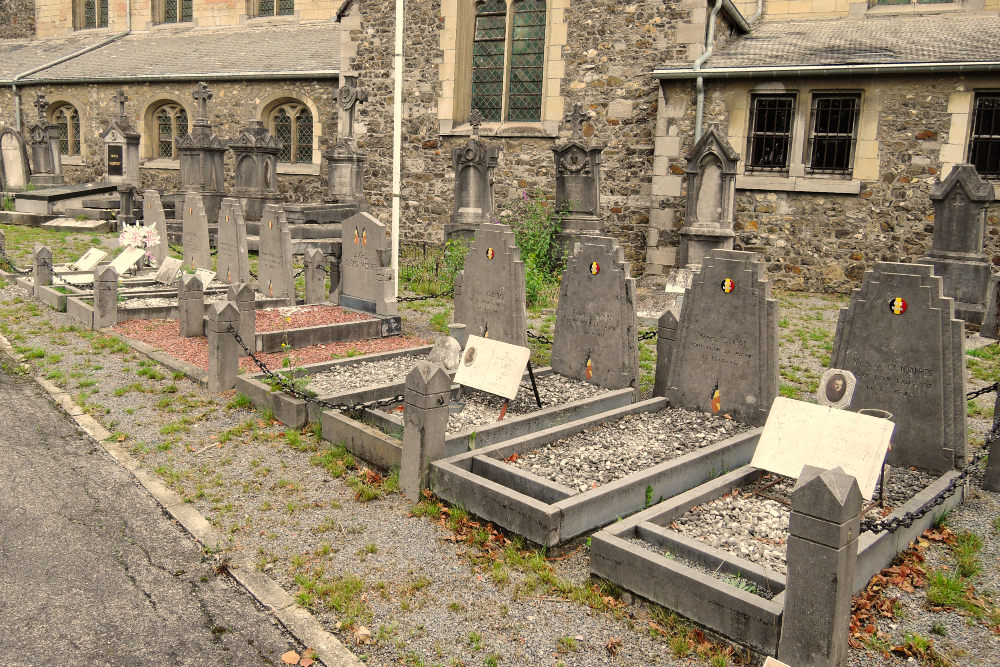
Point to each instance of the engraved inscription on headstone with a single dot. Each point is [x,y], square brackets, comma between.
[127,259]
[492,366]
[115,160]
[362,237]
[195,232]
[275,255]
[167,273]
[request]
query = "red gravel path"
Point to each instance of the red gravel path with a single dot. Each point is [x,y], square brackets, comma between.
[164,335]
[297,317]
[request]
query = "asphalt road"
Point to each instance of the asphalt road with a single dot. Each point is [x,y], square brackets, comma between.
[92,572]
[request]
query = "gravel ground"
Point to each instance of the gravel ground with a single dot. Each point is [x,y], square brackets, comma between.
[621,447]
[363,374]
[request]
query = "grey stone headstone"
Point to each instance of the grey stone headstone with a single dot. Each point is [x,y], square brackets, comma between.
[596,332]
[315,275]
[233,263]
[153,216]
[197,252]
[991,316]
[447,352]
[727,340]
[191,306]
[14,170]
[490,292]
[900,338]
[362,237]
[578,177]
[274,268]
[711,190]
[167,273]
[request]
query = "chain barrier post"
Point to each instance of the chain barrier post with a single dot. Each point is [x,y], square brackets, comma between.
[243,296]
[223,352]
[991,477]
[42,268]
[666,339]
[335,284]
[315,272]
[105,297]
[425,420]
[459,332]
[191,306]
[822,555]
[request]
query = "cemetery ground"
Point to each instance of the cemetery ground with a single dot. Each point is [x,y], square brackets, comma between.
[428,584]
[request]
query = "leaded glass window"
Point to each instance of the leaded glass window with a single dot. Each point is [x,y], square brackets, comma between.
[171,126]
[984,143]
[95,14]
[527,53]
[68,120]
[275,7]
[177,11]
[292,123]
[488,48]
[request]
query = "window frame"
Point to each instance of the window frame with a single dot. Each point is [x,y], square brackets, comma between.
[752,135]
[970,148]
[296,148]
[160,12]
[80,14]
[810,153]
[73,131]
[157,143]
[254,8]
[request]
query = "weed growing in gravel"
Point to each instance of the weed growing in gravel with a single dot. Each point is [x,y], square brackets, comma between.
[475,641]
[240,402]
[966,546]
[918,646]
[151,373]
[938,629]
[946,589]
[996,524]
[566,644]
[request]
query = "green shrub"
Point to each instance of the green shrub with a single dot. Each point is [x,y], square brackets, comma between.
[536,224]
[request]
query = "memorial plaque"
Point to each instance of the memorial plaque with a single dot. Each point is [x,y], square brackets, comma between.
[723,357]
[197,253]
[115,160]
[596,333]
[89,260]
[233,262]
[492,366]
[362,236]
[836,388]
[167,273]
[275,255]
[127,259]
[798,434]
[153,216]
[490,291]
[205,276]
[900,339]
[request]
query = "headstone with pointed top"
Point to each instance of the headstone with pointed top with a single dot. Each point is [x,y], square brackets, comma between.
[46,160]
[428,387]
[490,290]
[121,146]
[153,216]
[596,337]
[900,339]
[197,253]
[363,238]
[14,170]
[578,181]
[960,202]
[711,186]
[223,351]
[191,306]
[723,356]
[243,295]
[315,274]
[42,268]
[474,164]
[105,297]
[233,264]
[274,267]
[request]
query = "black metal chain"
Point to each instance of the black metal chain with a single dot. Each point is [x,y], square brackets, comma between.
[979,392]
[649,335]
[5,259]
[425,297]
[544,340]
[56,276]
[298,273]
[290,389]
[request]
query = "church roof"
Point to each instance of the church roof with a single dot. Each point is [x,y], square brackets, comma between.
[261,52]
[22,55]
[856,45]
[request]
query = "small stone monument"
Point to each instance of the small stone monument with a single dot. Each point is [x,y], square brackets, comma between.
[474,164]
[105,297]
[578,181]
[274,266]
[596,337]
[233,261]
[336,285]
[427,394]
[900,338]
[202,155]
[243,296]
[365,247]
[344,162]
[191,306]
[42,268]
[197,253]
[960,202]
[490,291]
[121,146]
[46,160]
[722,357]
[255,153]
[153,216]
[711,187]
[223,350]
[168,271]
[126,205]
[14,170]
[315,275]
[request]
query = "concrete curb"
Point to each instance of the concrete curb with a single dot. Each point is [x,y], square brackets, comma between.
[297,621]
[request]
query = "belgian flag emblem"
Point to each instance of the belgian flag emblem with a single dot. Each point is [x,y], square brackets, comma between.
[595,268]
[270,225]
[716,400]
[364,237]
[590,368]
[897,305]
[357,237]
[490,254]
[728,286]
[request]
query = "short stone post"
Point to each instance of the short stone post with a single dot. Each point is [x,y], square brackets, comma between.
[822,554]
[315,273]
[191,303]
[42,265]
[336,288]
[245,298]
[223,350]
[991,477]
[126,208]
[459,332]
[425,419]
[666,338]
[105,297]
[3,243]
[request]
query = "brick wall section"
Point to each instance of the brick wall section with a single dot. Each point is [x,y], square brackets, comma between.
[17,19]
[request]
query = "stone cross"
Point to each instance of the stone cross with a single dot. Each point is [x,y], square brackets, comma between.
[576,118]
[475,120]
[202,95]
[348,97]
[120,98]
[42,106]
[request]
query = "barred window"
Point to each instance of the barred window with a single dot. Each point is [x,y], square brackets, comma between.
[293,124]
[984,142]
[833,133]
[171,126]
[92,14]
[177,11]
[68,120]
[508,56]
[770,134]
[275,7]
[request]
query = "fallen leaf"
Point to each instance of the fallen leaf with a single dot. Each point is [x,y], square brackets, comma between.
[290,658]
[306,662]
[362,635]
[613,645]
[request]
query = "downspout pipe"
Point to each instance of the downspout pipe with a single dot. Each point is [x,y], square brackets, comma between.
[397,139]
[699,113]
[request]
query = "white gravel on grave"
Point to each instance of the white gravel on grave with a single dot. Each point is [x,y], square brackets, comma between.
[756,528]
[618,448]
[167,301]
[346,377]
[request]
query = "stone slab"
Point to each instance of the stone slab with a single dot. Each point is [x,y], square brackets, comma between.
[233,264]
[89,260]
[127,259]
[74,225]
[197,253]
[169,268]
[363,238]
[153,216]
[274,266]
[492,366]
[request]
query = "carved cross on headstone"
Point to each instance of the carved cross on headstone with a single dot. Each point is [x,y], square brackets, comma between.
[120,99]
[202,95]
[42,106]
[349,96]
[475,120]
[576,118]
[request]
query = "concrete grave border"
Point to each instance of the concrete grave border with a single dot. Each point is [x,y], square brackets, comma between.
[549,513]
[744,617]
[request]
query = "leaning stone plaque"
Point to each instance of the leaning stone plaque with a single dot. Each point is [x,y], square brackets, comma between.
[89,260]
[901,340]
[167,273]
[798,434]
[836,388]
[197,253]
[205,276]
[492,366]
[127,259]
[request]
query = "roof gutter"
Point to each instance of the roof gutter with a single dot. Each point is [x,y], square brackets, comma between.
[216,76]
[826,70]
[737,18]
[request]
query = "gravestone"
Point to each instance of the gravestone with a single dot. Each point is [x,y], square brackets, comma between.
[900,338]
[578,181]
[233,263]
[336,284]
[105,297]
[126,205]
[223,350]
[960,202]
[89,260]
[46,158]
[167,273]
[255,155]
[425,422]
[489,292]
[205,276]
[990,327]
[596,337]
[202,157]
[722,357]
[711,186]
[364,248]
[197,252]
[121,146]
[191,306]
[492,366]
[153,216]
[315,275]
[14,170]
[474,164]
[344,161]
[274,267]
[127,260]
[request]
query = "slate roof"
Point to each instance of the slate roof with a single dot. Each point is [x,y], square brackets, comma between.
[885,40]
[257,52]
[21,55]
